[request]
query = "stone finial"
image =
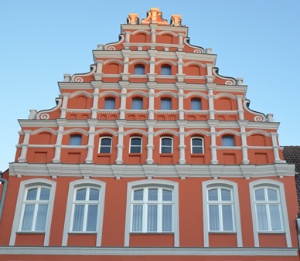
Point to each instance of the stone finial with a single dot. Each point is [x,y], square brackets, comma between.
[154,16]
[32,114]
[270,117]
[133,19]
[176,20]
[67,77]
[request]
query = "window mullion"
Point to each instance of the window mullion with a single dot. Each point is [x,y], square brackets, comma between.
[145,210]
[159,210]
[36,206]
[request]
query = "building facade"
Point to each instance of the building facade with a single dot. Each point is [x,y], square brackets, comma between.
[151,154]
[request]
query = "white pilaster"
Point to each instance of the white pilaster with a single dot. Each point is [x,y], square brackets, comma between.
[213,124]
[120,146]
[150,145]
[24,146]
[61,123]
[276,148]
[90,146]
[243,125]
[240,107]
[63,109]
[95,103]
[182,146]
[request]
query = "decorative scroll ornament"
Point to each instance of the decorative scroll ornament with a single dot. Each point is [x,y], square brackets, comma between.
[111,48]
[258,118]
[44,116]
[229,83]
[78,79]
[198,51]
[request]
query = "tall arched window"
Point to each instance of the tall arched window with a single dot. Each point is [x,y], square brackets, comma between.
[137,103]
[139,69]
[166,69]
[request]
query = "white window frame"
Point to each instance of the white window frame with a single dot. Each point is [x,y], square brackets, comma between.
[206,185]
[202,146]
[284,214]
[160,146]
[130,146]
[110,147]
[74,185]
[18,217]
[142,184]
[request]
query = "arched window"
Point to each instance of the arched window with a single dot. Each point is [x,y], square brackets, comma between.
[109,103]
[137,103]
[105,145]
[166,104]
[196,104]
[166,145]
[268,209]
[166,69]
[220,209]
[139,69]
[197,145]
[135,145]
[228,141]
[85,209]
[75,140]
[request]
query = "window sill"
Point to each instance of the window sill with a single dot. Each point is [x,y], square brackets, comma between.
[103,154]
[31,232]
[152,233]
[82,233]
[270,232]
[166,154]
[222,232]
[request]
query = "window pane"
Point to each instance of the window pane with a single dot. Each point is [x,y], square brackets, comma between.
[167,195]
[262,220]
[135,146]
[195,104]
[31,194]
[227,218]
[105,145]
[137,104]
[106,142]
[167,218]
[92,218]
[41,217]
[213,194]
[78,218]
[259,194]
[165,70]
[152,218]
[197,146]
[227,141]
[139,69]
[272,194]
[166,104]
[197,150]
[197,142]
[94,194]
[214,222]
[75,140]
[45,193]
[80,194]
[225,195]
[28,217]
[152,194]
[138,194]
[137,218]
[275,218]
[166,142]
[109,104]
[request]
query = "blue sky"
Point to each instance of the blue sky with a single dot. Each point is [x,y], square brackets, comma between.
[42,40]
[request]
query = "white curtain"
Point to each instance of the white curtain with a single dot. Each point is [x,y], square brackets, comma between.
[92,217]
[78,218]
[227,218]
[167,218]
[214,221]
[137,218]
[137,104]
[262,219]
[152,218]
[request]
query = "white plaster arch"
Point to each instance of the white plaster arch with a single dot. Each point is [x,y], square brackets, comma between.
[192,132]
[76,130]
[228,131]
[44,130]
[166,131]
[101,131]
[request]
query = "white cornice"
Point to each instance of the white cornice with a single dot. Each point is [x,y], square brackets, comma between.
[75,86]
[155,171]
[153,251]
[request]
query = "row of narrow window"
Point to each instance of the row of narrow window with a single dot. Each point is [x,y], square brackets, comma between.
[137,103]
[166,144]
[152,209]
[165,69]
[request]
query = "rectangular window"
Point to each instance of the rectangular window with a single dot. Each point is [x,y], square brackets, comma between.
[228,141]
[137,103]
[197,146]
[75,140]
[166,69]
[109,104]
[166,104]
[139,69]
[105,145]
[196,104]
